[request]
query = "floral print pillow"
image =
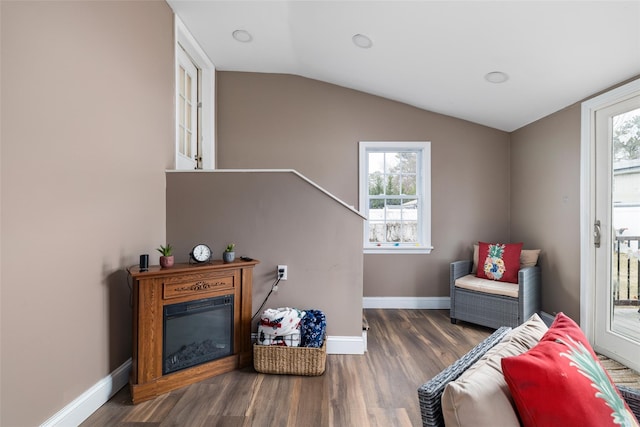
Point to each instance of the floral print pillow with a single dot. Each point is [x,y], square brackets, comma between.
[499,261]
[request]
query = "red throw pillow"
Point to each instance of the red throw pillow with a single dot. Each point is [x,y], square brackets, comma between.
[499,261]
[560,382]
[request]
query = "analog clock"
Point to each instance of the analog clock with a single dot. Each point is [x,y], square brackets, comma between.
[200,253]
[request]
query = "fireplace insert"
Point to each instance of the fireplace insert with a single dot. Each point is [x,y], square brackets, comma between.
[196,332]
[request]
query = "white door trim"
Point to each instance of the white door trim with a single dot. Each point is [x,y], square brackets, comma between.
[208,80]
[587,195]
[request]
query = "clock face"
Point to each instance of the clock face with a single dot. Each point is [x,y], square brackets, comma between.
[201,253]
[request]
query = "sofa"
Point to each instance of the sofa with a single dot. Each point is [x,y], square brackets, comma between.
[500,382]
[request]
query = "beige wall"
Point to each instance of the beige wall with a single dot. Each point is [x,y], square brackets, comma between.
[277,218]
[545,203]
[87,125]
[283,121]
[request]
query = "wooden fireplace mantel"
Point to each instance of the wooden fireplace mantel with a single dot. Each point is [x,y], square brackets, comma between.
[157,287]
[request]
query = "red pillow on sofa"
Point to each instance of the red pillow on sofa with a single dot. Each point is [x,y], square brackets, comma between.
[499,261]
[560,381]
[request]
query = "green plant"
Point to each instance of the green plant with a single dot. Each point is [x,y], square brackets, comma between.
[230,247]
[165,250]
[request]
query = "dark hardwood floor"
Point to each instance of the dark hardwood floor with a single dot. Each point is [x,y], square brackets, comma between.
[405,349]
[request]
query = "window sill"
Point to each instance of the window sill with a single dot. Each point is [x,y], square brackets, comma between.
[398,251]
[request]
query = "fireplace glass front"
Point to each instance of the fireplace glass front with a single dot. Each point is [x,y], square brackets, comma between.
[196,332]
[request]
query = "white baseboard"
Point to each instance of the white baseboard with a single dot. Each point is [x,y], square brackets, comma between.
[345,345]
[424,303]
[88,402]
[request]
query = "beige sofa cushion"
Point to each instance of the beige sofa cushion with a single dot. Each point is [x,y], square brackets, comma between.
[473,283]
[529,257]
[480,396]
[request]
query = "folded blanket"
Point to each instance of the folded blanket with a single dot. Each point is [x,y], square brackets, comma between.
[280,326]
[281,321]
[312,328]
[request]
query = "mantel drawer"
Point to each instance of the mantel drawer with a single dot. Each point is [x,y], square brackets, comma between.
[196,284]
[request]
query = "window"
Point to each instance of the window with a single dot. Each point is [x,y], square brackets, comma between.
[395,196]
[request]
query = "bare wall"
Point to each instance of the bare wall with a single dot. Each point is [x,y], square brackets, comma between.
[545,203]
[283,121]
[87,133]
[277,218]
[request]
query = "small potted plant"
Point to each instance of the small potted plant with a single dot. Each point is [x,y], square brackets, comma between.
[166,258]
[229,254]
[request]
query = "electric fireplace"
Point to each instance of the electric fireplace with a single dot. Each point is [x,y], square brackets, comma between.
[190,322]
[196,332]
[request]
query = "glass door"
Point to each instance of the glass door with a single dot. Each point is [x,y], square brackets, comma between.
[626,223]
[187,113]
[617,212]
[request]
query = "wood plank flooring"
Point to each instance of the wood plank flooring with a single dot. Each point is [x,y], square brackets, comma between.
[405,349]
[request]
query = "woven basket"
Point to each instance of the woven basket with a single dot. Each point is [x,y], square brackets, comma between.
[273,359]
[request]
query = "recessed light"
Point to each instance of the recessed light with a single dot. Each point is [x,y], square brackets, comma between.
[242,36]
[496,77]
[362,41]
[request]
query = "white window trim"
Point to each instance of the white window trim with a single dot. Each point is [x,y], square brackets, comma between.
[208,75]
[425,177]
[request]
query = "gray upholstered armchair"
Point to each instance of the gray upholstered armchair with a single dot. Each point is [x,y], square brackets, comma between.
[488,306]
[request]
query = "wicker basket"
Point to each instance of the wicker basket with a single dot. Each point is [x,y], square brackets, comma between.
[273,359]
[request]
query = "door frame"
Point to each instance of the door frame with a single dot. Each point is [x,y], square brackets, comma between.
[207,79]
[587,197]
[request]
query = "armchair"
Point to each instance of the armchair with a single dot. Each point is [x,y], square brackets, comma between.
[491,309]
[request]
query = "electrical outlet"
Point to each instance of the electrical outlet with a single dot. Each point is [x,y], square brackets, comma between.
[282,272]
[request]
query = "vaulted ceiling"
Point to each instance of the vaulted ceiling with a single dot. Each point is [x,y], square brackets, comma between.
[434,55]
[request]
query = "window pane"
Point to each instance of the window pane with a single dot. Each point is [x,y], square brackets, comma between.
[376,220]
[376,232]
[408,161]
[187,119]
[375,204]
[626,136]
[409,204]
[393,185]
[181,112]
[410,220]
[188,89]
[408,185]
[376,184]
[181,140]
[181,88]
[376,162]
[410,231]
[391,162]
